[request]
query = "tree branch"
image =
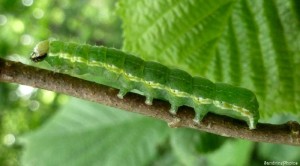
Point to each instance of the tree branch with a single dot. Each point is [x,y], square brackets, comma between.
[15,72]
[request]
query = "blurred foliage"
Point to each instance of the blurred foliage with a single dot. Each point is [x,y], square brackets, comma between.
[22,24]
[108,137]
[22,109]
[84,133]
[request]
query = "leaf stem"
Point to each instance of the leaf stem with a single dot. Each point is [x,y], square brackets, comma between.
[15,72]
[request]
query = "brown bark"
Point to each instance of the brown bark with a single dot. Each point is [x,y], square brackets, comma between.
[15,72]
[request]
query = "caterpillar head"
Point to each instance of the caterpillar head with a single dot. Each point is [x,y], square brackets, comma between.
[40,51]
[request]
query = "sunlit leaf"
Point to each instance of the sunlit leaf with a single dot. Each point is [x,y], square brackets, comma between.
[253,44]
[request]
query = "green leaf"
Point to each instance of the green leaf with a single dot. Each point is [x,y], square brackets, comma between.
[167,158]
[175,31]
[250,43]
[260,50]
[239,152]
[189,145]
[275,152]
[84,133]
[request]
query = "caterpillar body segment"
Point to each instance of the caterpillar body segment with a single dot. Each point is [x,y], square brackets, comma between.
[153,79]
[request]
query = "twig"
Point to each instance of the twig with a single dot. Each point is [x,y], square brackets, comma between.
[15,72]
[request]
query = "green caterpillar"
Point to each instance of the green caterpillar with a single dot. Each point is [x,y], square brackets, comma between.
[153,79]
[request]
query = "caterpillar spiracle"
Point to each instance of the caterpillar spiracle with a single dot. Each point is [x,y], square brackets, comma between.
[153,79]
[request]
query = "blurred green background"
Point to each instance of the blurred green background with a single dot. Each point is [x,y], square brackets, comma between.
[39,127]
